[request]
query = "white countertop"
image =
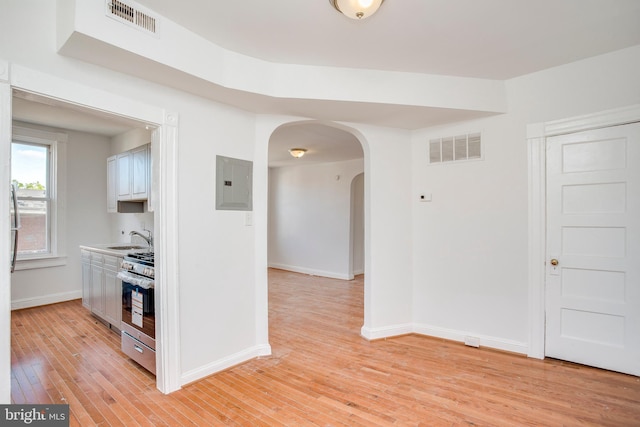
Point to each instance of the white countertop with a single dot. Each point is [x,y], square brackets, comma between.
[115,249]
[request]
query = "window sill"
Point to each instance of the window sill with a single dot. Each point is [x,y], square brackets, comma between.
[33,263]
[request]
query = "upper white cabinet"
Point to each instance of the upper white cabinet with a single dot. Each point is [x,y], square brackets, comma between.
[140,173]
[112,191]
[123,177]
[128,180]
[133,174]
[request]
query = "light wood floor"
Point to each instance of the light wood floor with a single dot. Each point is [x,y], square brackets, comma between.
[321,373]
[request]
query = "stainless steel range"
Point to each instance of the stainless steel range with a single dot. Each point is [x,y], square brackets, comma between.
[138,309]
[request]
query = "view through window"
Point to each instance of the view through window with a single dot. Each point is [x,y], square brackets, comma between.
[30,167]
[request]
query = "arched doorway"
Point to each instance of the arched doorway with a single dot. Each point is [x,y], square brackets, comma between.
[316,202]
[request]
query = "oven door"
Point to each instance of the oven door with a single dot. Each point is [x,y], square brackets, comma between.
[138,307]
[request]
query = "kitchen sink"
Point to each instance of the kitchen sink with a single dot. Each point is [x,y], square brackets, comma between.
[126,247]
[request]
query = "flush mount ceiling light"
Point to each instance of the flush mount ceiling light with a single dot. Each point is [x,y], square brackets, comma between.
[356,9]
[297,152]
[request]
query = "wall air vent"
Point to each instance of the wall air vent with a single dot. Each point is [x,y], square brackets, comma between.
[133,15]
[455,148]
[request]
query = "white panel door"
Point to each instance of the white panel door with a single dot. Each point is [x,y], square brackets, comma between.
[593,237]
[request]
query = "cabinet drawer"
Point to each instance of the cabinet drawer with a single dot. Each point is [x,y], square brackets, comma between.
[97,259]
[139,352]
[112,263]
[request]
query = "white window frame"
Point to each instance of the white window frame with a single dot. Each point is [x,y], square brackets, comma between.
[57,143]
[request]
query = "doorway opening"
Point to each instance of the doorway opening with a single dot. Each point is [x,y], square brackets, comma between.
[95,124]
[316,203]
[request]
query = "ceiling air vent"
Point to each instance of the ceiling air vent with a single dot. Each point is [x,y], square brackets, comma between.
[132,14]
[455,148]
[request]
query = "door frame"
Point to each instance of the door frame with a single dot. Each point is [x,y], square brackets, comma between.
[164,146]
[537,135]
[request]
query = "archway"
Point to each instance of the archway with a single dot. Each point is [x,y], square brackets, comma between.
[315,203]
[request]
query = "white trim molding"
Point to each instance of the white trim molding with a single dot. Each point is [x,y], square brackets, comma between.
[311,271]
[225,363]
[5,236]
[45,300]
[50,86]
[386,331]
[460,336]
[444,333]
[537,135]
[167,254]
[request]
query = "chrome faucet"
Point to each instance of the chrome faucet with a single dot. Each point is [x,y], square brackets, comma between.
[148,239]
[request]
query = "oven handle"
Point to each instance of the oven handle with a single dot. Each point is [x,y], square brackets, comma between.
[133,279]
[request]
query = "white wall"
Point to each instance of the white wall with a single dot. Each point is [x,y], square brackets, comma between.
[310,218]
[388,235]
[454,266]
[86,222]
[357,228]
[470,243]
[216,250]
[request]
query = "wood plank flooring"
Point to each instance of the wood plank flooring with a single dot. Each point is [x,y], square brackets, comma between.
[321,373]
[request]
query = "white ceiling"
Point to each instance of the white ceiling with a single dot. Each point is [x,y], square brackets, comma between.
[493,39]
[29,108]
[323,144]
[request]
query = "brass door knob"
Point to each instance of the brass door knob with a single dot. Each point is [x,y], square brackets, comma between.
[554,262]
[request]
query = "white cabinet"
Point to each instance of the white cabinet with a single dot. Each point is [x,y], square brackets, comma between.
[86,279]
[101,288]
[140,173]
[97,285]
[133,174]
[112,190]
[128,180]
[123,177]
[112,290]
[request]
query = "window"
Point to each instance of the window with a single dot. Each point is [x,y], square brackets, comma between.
[36,160]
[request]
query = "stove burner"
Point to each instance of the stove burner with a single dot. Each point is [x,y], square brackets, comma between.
[145,258]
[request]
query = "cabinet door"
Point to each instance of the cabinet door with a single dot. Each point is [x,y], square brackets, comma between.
[97,286]
[112,189]
[140,173]
[124,176]
[86,279]
[112,291]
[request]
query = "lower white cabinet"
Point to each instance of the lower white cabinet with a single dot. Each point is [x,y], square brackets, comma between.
[101,288]
[97,285]
[86,279]
[112,291]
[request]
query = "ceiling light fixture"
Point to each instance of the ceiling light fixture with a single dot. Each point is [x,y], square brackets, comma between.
[297,152]
[356,9]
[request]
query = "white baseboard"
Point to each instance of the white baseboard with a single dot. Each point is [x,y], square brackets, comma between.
[311,271]
[386,332]
[227,362]
[449,334]
[485,341]
[45,299]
